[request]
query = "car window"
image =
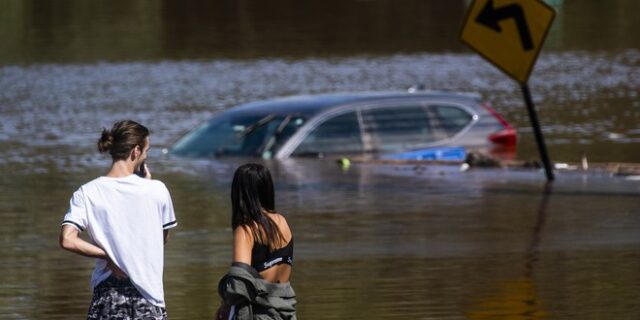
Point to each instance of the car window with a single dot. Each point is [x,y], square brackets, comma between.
[286,128]
[338,135]
[449,119]
[396,128]
[231,134]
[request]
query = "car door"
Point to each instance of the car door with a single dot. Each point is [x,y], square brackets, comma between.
[397,127]
[338,134]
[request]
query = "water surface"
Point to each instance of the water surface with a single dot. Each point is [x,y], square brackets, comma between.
[372,241]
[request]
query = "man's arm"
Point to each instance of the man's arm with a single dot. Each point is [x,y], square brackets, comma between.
[70,240]
[166,236]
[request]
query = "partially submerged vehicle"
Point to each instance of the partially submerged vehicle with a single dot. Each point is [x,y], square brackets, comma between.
[368,125]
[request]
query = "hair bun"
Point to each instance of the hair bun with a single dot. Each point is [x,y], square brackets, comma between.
[106,141]
[123,137]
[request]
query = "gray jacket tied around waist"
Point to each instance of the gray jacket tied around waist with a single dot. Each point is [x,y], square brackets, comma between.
[255,298]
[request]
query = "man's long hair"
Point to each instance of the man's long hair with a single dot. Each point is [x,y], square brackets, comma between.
[122,138]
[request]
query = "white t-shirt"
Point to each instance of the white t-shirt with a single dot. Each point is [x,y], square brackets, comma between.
[126,218]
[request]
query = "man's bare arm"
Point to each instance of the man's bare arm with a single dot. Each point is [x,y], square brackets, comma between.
[70,240]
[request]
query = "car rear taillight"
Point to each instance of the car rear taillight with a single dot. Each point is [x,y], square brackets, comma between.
[507,136]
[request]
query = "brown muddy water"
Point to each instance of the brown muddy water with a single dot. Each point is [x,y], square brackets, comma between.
[372,241]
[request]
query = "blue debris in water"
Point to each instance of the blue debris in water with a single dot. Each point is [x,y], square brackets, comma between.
[437,153]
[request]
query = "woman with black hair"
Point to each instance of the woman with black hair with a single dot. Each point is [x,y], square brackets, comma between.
[257,284]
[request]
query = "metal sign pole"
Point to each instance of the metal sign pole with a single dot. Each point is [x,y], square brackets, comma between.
[542,148]
[512,47]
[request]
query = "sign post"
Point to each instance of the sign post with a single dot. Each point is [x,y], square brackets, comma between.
[510,34]
[542,148]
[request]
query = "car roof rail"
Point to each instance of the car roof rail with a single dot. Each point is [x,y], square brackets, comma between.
[421,88]
[416,88]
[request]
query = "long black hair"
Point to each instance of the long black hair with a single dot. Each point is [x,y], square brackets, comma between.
[251,196]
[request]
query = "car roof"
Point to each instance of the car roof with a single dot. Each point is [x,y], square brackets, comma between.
[309,105]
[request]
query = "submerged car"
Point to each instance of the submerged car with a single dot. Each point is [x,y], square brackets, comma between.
[348,125]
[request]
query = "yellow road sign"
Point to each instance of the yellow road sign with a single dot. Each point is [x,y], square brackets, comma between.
[508,33]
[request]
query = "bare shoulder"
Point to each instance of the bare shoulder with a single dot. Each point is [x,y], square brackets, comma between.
[242,233]
[282,223]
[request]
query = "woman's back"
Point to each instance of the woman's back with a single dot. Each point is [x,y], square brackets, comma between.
[275,266]
[262,242]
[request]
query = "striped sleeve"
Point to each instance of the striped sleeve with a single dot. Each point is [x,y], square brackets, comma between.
[76,216]
[168,215]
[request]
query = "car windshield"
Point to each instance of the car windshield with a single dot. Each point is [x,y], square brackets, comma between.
[234,134]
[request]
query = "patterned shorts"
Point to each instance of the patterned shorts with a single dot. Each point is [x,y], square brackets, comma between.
[119,299]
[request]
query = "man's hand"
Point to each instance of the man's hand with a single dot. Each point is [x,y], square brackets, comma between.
[147,172]
[70,240]
[115,270]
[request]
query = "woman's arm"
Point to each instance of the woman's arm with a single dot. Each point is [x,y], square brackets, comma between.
[242,245]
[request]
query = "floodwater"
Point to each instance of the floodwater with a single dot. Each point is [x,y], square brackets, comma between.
[372,241]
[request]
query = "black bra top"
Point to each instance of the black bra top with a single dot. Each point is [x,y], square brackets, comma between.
[262,259]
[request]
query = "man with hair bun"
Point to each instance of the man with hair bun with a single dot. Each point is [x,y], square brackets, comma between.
[127,218]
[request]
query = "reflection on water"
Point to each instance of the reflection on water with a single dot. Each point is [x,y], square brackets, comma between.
[517,298]
[372,241]
[81,31]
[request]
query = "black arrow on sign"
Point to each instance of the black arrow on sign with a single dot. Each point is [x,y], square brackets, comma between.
[490,16]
